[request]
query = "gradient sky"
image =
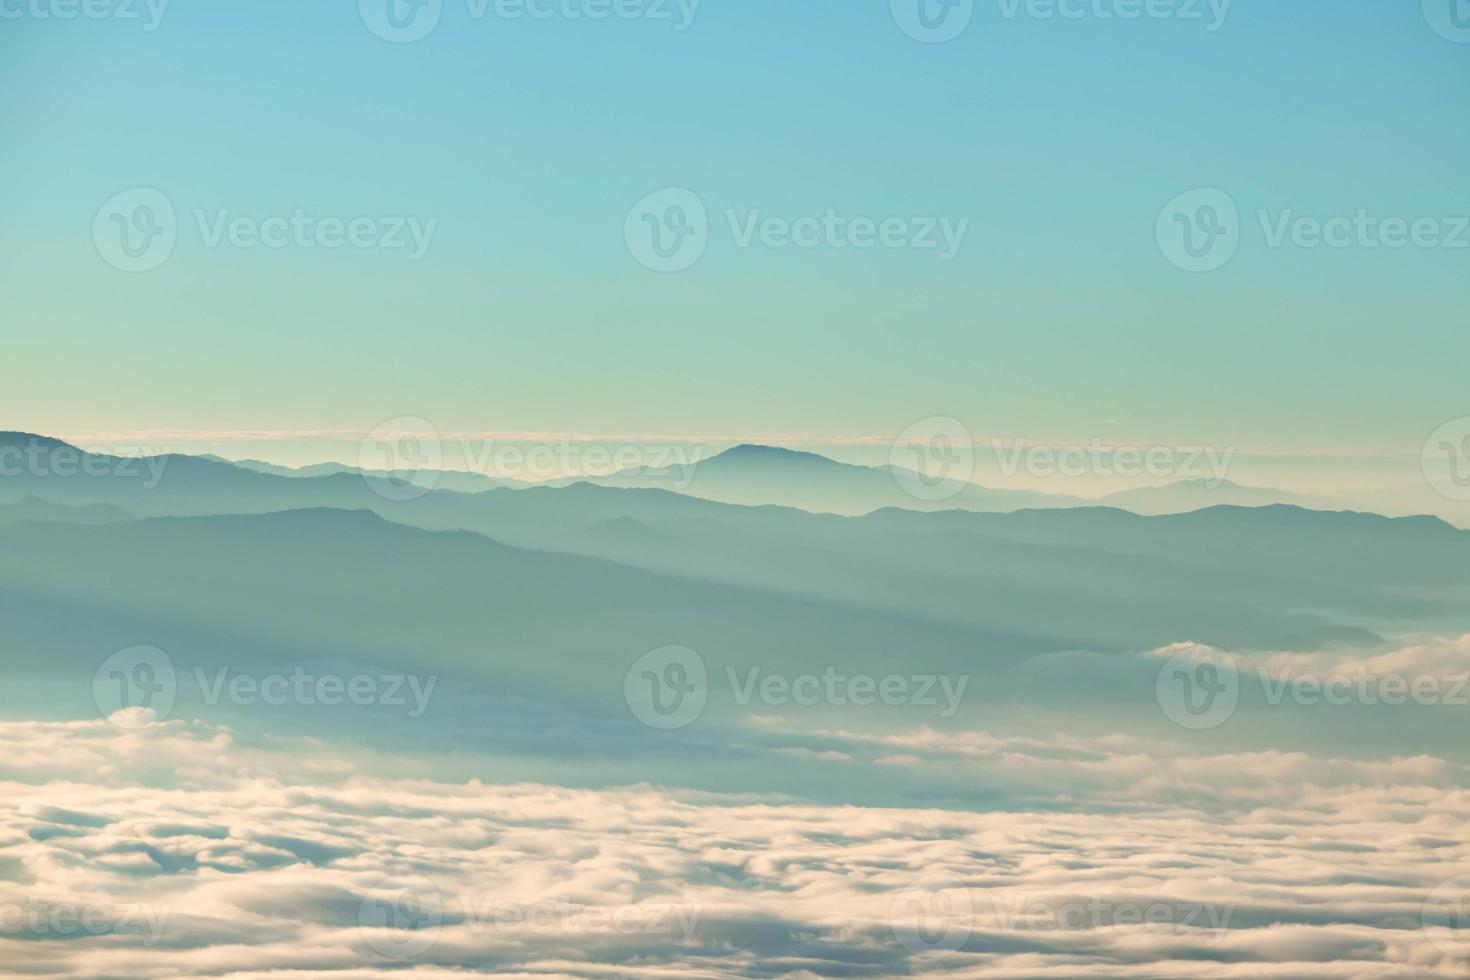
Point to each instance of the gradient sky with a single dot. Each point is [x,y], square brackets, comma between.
[529,141]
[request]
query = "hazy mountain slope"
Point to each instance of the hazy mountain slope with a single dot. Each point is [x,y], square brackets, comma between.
[755,475]
[457,480]
[1188,495]
[1100,577]
[176,485]
[32,508]
[1095,576]
[1082,577]
[267,590]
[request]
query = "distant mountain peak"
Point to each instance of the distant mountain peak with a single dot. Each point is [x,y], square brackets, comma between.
[754,452]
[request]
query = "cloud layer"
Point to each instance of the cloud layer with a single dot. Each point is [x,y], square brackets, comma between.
[176,851]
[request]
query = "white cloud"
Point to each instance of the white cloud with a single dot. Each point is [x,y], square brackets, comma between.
[288,861]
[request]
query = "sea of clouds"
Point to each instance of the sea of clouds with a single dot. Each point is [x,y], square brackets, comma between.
[177,849]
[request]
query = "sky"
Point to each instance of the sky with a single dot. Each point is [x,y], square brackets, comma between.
[519,148]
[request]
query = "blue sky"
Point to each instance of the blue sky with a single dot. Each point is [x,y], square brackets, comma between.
[529,140]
